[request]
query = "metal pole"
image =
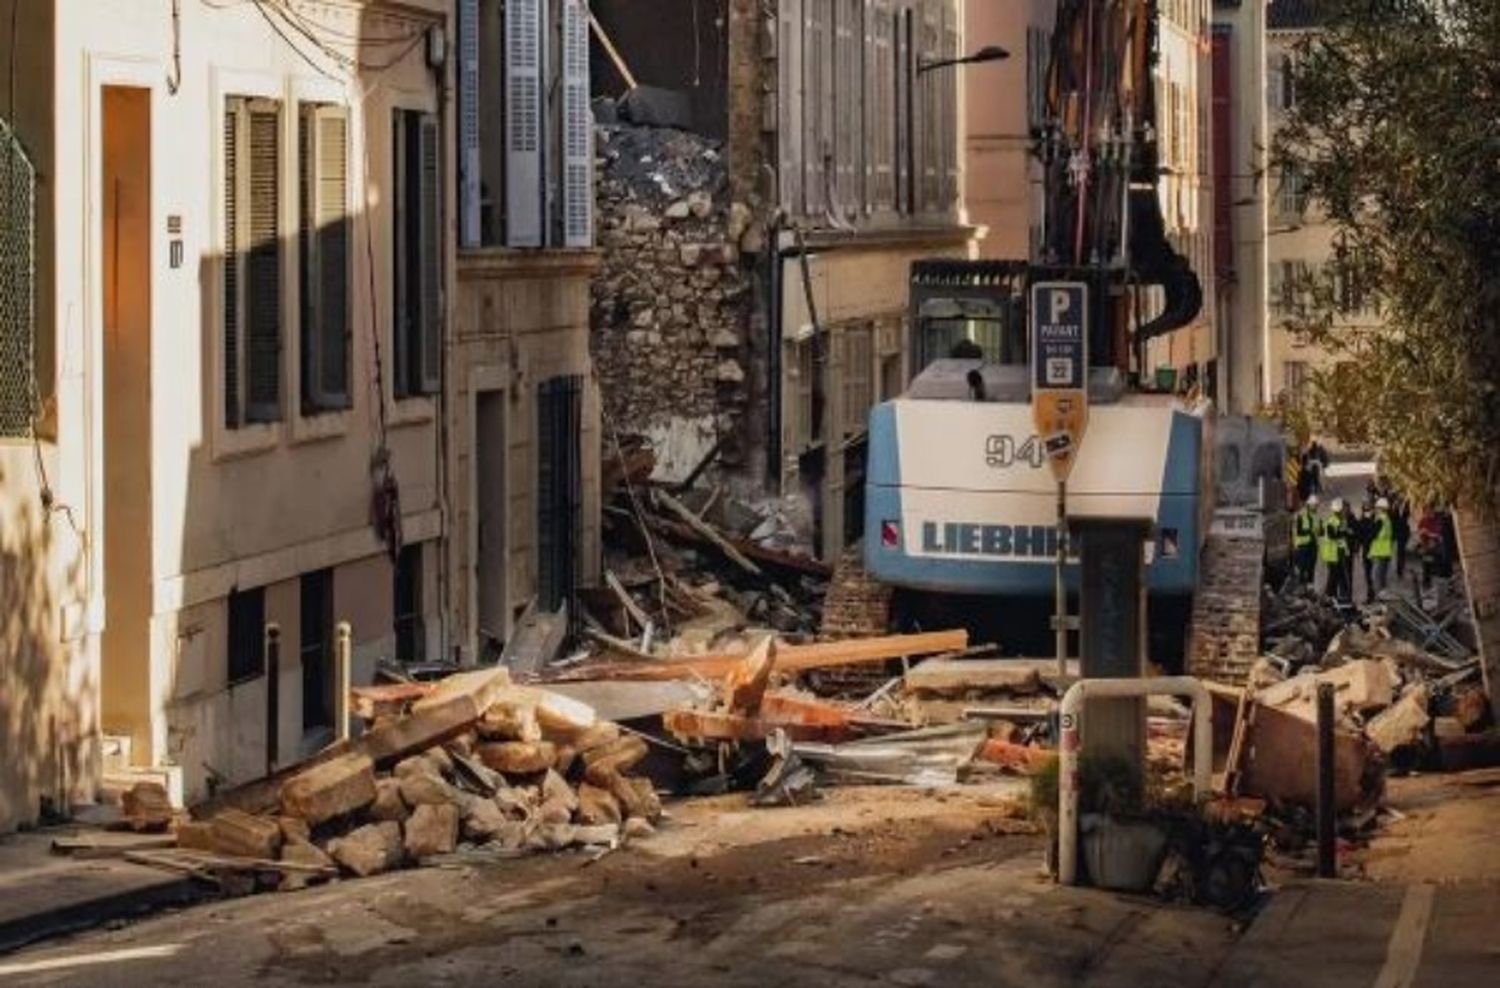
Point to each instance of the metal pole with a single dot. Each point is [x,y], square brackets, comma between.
[1061,603]
[343,636]
[1327,862]
[273,695]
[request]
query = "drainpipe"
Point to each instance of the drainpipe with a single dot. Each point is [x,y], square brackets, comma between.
[1071,718]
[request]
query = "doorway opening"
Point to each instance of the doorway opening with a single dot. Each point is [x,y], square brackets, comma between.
[491,558]
[125,308]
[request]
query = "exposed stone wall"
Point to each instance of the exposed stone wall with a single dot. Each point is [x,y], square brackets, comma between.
[672,299]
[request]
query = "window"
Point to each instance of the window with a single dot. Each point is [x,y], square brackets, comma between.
[247,631]
[316,648]
[323,255]
[252,261]
[525,127]
[559,492]
[858,376]
[1292,192]
[1038,55]
[1288,71]
[1294,377]
[410,640]
[17,313]
[416,308]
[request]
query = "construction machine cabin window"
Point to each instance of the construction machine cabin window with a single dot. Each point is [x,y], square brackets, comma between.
[323,255]
[252,291]
[416,281]
[978,328]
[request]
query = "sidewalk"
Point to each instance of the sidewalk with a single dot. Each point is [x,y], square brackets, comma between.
[45,895]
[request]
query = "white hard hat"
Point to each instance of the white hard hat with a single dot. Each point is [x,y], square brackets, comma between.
[1382,503]
[1338,504]
[1312,501]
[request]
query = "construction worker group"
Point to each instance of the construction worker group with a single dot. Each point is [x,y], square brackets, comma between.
[1336,539]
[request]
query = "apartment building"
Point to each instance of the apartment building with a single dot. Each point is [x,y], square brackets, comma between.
[843,167]
[523,443]
[1299,241]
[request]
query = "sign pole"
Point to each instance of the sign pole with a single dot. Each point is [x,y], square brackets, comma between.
[1062,587]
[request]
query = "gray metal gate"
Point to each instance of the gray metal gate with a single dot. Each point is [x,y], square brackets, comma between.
[17,280]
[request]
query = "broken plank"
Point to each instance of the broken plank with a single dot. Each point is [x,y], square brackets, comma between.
[789,658]
[385,699]
[708,532]
[536,640]
[626,601]
[111,845]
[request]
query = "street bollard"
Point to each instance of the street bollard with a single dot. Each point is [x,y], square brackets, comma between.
[273,695]
[1327,859]
[343,636]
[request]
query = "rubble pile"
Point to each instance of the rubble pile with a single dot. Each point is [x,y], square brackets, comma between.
[472,761]
[671,300]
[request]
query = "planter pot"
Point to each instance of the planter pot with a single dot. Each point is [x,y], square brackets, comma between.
[1122,855]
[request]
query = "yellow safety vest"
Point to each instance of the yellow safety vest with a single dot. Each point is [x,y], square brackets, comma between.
[1305,528]
[1331,545]
[1383,545]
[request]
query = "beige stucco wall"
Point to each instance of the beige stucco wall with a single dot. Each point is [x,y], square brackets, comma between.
[1002,184]
[226,510]
[521,317]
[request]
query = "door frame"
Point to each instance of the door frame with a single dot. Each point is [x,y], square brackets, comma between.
[488,379]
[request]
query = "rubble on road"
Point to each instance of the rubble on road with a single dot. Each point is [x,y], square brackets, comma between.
[471,760]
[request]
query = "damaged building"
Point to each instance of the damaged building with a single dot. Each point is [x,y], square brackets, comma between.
[767,174]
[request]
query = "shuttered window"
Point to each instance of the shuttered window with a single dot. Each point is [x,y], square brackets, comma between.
[578,128]
[525,192]
[323,255]
[417,265]
[252,261]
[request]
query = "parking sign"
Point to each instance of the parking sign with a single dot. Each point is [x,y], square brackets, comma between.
[1059,369]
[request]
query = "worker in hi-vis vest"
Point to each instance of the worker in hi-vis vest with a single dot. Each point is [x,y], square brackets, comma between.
[1383,543]
[1333,548]
[1305,526]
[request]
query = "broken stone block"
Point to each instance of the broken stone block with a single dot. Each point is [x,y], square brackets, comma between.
[426,789]
[739,220]
[195,835]
[701,204]
[146,807]
[597,806]
[1402,724]
[237,833]
[388,804]
[551,837]
[637,798]
[724,338]
[512,834]
[690,255]
[330,789]
[463,744]
[293,829]
[556,789]
[566,756]
[415,765]
[514,803]
[510,722]
[679,210]
[598,736]
[729,372]
[482,820]
[440,760]
[554,811]
[602,763]
[303,852]
[637,828]
[607,835]
[369,850]
[1472,709]
[518,757]
[432,830]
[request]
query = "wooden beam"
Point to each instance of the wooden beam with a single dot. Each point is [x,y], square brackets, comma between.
[789,658]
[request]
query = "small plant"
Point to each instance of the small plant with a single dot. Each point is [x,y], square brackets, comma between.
[1107,784]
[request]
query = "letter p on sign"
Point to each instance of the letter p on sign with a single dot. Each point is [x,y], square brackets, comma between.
[1061,302]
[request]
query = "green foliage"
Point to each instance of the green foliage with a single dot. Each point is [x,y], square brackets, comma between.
[1106,784]
[1396,129]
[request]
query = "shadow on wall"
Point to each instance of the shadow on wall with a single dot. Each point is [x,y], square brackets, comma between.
[48,696]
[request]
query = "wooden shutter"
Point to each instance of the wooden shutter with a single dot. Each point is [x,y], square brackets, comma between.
[948,132]
[524,186]
[578,128]
[469,189]
[402,284]
[323,169]
[885,117]
[848,104]
[789,81]
[262,291]
[430,255]
[814,58]
[233,114]
[929,121]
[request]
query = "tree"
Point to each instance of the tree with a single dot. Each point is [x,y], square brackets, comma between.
[1397,131]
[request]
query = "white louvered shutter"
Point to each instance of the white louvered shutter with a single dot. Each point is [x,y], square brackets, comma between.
[232,280]
[323,167]
[578,128]
[814,59]
[469,188]
[430,264]
[789,81]
[524,131]
[948,135]
[884,118]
